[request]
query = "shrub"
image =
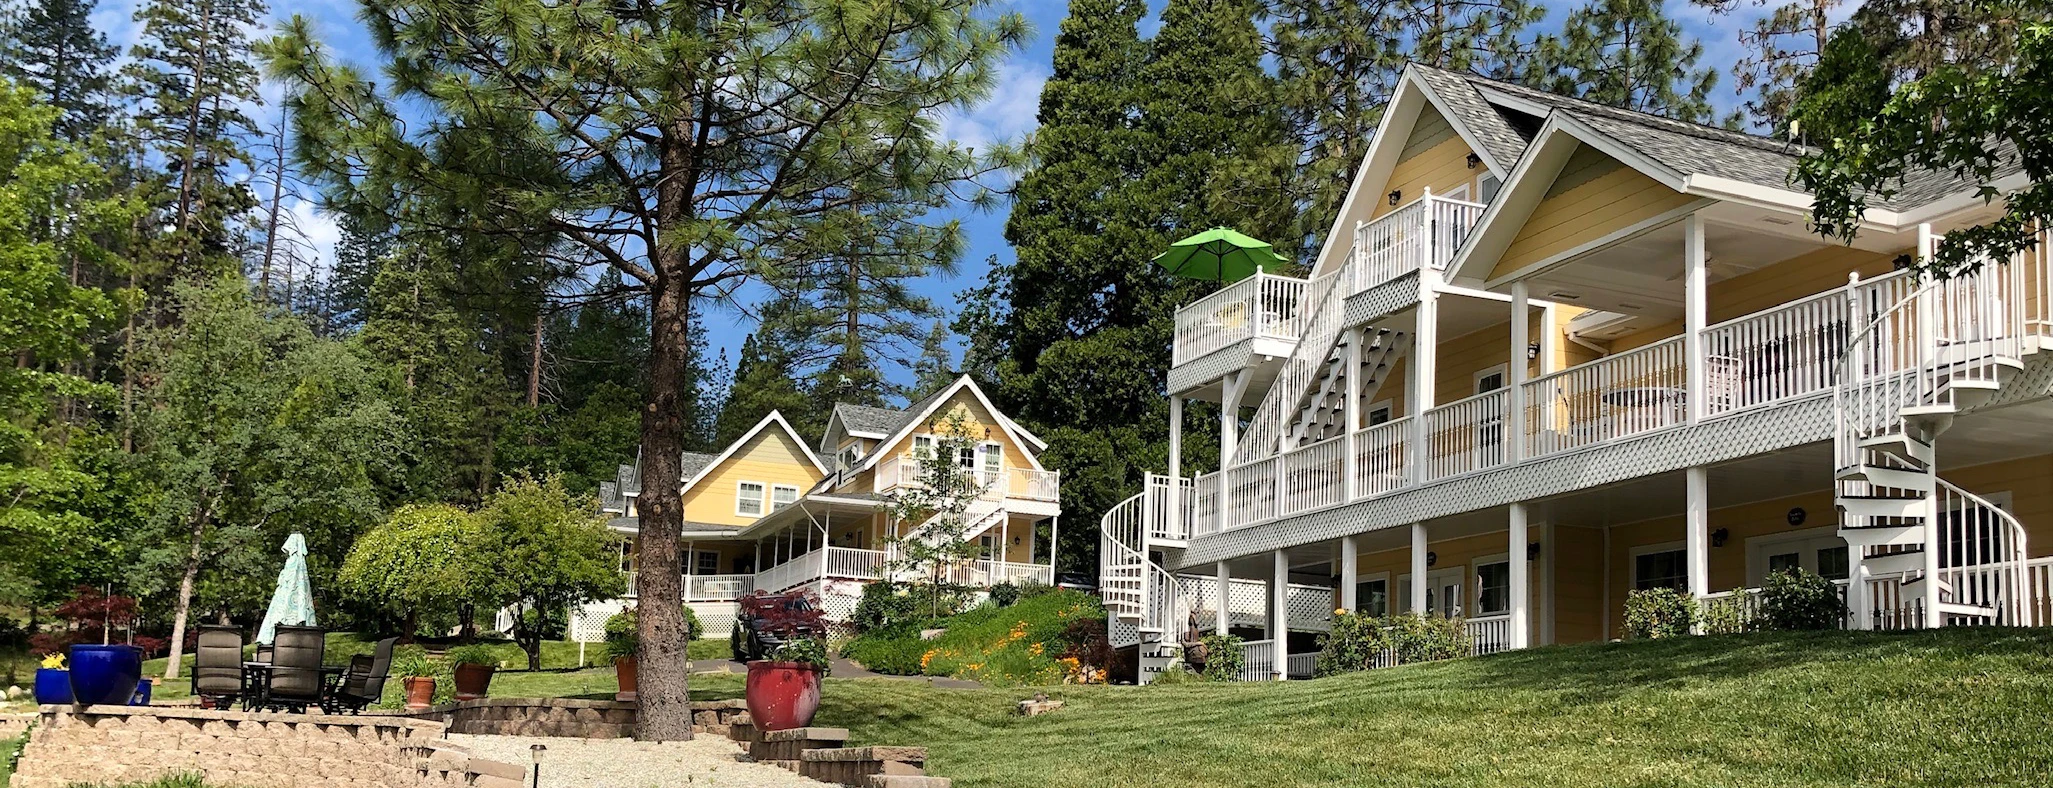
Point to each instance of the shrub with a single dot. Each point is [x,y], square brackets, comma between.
[473,654]
[1724,620]
[1659,613]
[1176,674]
[806,651]
[1425,639]
[552,625]
[623,635]
[1354,643]
[885,605]
[1799,599]
[411,662]
[1004,594]
[893,651]
[1223,658]
[1034,588]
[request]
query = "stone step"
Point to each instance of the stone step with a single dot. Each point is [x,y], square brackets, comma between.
[907,781]
[854,765]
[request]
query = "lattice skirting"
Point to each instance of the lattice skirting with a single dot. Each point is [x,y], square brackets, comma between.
[1382,300]
[1211,366]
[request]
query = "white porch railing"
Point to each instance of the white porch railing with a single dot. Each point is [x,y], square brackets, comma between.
[1264,305]
[1258,660]
[1206,516]
[1251,493]
[1169,517]
[1422,234]
[848,562]
[1617,396]
[717,588]
[1466,435]
[1790,351]
[1036,485]
[1302,665]
[1266,430]
[1382,458]
[1315,476]
[1488,634]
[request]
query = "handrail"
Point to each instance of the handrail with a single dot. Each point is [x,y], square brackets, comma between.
[1265,432]
[1237,312]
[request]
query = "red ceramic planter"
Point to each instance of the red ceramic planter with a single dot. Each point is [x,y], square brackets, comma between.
[782,695]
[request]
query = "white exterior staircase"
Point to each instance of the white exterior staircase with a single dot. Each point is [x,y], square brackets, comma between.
[1923,552]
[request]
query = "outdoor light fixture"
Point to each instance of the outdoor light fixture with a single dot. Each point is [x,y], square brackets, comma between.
[1432,558]
[1532,551]
[1474,160]
[536,750]
[1719,536]
[1396,194]
[1532,351]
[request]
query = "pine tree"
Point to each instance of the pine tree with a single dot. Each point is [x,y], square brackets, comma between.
[194,74]
[1782,47]
[762,383]
[1338,61]
[1628,54]
[52,48]
[936,366]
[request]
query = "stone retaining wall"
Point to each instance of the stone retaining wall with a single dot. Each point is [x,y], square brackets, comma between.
[135,743]
[567,717]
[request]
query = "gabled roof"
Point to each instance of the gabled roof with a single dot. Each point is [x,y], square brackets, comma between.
[918,413]
[775,418]
[883,424]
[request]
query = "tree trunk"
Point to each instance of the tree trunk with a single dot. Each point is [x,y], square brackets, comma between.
[185,585]
[408,626]
[664,678]
[535,364]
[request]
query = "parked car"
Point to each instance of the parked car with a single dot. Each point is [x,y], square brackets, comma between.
[1077,581]
[766,621]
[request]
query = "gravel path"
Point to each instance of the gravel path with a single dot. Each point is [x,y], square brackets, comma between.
[704,762]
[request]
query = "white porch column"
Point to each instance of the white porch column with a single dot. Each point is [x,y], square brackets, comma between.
[1521,577]
[1425,342]
[1515,381]
[1054,545]
[1697,529]
[1222,614]
[1176,460]
[1418,569]
[1694,312]
[1279,615]
[1231,389]
[1004,555]
[691,560]
[1350,565]
[1351,412]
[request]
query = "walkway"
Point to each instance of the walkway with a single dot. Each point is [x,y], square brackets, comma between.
[843,669]
[626,763]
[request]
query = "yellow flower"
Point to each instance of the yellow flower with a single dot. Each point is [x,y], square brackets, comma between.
[1339,611]
[926,658]
[54,661]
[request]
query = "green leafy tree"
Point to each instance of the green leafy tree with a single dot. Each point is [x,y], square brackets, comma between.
[763,382]
[1631,55]
[1964,119]
[416,562]
[932,513]
[51,47]
[251,429]
[543,549]
[690,146]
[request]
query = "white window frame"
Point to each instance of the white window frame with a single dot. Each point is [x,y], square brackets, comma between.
[1476,579]
[779,488]
[850,456]
[1632,561]
[1384,404]
[1389,593]
[1482,195]
[762,498]
[1503,370]
[927,450]
[990,450]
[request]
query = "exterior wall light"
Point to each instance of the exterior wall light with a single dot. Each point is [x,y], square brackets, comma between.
[1395,195]
[1719,537]
[1474,160]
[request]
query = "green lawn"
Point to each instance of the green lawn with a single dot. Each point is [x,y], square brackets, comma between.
[1959,707]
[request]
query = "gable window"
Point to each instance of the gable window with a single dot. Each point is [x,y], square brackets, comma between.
[782,495]
[748,499]
[922,446]
[850,455]
[1660,568]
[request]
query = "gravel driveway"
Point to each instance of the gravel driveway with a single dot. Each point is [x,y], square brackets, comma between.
[704,762]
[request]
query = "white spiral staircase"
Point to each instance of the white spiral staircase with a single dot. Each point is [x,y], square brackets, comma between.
[1146,602]
[1927,553]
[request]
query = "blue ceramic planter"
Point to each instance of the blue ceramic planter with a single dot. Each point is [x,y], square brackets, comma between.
[105,675]
[53,686]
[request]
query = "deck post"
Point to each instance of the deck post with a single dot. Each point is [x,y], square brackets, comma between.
[1350,570]
[1351,414]
[1222,615]
[1279,613]
[1694,316]
[1697,530]
[1514,399]
[1176,460]
[1425,339]
[1521,576]
[1418,569]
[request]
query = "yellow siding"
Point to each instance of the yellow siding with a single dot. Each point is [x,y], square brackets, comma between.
[1757,291]
[982,426]
[1464,356]
[1609,203]
[1578,555]
[771,457]
[1442,168]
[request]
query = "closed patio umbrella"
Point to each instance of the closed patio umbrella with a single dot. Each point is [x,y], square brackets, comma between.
[1219,254]
[292,602]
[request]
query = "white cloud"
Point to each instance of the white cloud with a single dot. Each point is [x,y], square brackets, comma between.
[1007,114]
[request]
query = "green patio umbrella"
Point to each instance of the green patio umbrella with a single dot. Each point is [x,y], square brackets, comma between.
[1219,254]
[292,603]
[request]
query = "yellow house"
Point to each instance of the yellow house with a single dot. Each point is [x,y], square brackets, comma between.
[1554,352]
[772,512]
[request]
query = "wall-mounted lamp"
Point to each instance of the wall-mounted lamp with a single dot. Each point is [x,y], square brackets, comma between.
[1532,551]
[1395,195]
[1432,558]
[1719,536]
[1474,160]
[1532,351]
[1015,540]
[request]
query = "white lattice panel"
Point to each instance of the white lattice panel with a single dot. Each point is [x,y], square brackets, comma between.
[1211,366]
[1311,607]
[588,621]
[1384,299]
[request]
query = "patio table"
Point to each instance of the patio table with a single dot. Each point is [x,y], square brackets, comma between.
[257,675]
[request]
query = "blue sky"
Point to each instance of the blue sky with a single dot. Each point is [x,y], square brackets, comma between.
[1008,113]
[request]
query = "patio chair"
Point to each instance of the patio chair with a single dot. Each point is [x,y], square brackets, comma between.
[296,680]
[364,682]
[217,670]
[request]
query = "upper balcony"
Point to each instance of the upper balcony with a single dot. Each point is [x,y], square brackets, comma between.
[1420,236]
[1006,483]
[1260,307]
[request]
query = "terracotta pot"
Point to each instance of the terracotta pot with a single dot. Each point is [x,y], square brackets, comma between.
[420,692]
[782,695]
[472,681]
[625,668]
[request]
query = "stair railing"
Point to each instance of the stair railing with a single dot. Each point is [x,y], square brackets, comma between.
[1265,432]
[1982,554]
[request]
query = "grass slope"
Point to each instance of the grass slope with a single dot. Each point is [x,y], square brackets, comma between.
[1965,707]
[1001,646]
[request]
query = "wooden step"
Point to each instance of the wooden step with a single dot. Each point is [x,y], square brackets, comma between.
[1881,506]
[1894,478]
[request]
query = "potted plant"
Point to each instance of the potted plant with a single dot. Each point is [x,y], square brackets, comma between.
[105,674]
[53,681]
[623,643]
[474,664]
[417,674]
[783,692]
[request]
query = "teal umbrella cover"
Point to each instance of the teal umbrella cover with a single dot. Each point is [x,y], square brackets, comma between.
[292,603]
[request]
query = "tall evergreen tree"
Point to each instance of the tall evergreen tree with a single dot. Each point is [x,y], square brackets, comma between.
[1629,54]
[763,382]
[50,47]
[194,76]
[1782,46]
[935,368]
[1337,62]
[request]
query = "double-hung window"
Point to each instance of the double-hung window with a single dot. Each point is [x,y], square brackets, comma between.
[990,461]
[922,446]
[1493,588]
[748,499]
[1660,569]
[782,495]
